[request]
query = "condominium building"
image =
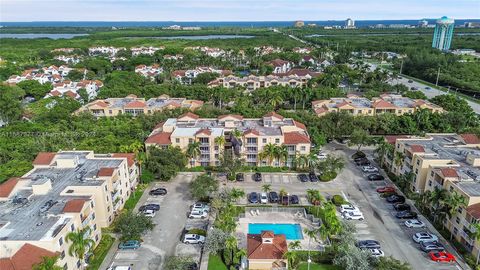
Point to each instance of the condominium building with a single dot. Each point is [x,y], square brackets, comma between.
[445,161]
[443,34]
[134,105]
[64,192]
[280,66]
[386,103]
[246,137]
[187,76]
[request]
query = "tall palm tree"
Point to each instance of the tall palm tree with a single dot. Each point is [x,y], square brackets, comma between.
[312,234]
[80,245]
[302,161]
[48,263]
[240,254]
[268,153]
[295,245]
[237,193]
[193,150]
[453,202]
[220,142]
[398,159]
[383,149]
[231,245]
[281,154]
[475,235]
[266,187]
[291,257]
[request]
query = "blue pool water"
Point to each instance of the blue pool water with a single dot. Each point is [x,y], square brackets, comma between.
[291,231]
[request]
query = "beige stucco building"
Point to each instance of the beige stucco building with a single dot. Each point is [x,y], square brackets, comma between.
[446,161]
[134,105]
[64,192]
[266,251]
[253,135]
[386,103]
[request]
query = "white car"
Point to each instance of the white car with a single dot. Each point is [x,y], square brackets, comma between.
[414,223]
[424,237]
[198,214]
[348,208]
[193,239]
[321,155]
[119,267]
[369,169]
[149,213]
[263,197]
[201,207]
[354,215]
[376,252]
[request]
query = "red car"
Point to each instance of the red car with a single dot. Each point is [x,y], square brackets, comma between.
[442,256]
[385,189]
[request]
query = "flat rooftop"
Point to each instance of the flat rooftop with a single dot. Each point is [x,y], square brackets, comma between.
[25,222]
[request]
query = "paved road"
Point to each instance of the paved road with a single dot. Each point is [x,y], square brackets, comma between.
[164,240]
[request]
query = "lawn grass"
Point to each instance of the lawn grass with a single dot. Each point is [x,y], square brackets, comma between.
[100,252]
[316,266]
[135,197]
[215,263]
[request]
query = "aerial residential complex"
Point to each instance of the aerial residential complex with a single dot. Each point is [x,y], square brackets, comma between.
[445,161]
[64,192]
[386,103]
[246,137]
[134,105]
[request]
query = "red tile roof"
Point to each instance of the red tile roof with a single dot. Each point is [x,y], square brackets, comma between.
[74,206]
[258,250]
[295,138]
[415,148]
[100,103]
[25,258]
[301,72]
[299,125]
[320,110]
[190,115]
[55,93]
[205,131]
[274,114]
[236,116]
[474,210]
[315,102]
[105,171]
[178,73]
[470,138]
[392,139]
[449,172]
[130,157]
[71,94]
[159,138]
[251,131]
[135,104]
[44,158]
[132,96]
[7,187]
[278,62]
[383,104]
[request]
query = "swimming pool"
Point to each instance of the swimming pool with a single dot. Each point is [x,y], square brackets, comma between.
[291,231]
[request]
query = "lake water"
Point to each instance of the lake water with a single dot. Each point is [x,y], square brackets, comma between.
[33,36]
[206,37]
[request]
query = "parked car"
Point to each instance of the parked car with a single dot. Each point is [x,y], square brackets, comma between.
[353,215]
[119,267]
[257,177]
[413,88]
[201,207]
[368,244]
[348,208]
[442,256]
[395,199]
[376,252]
[369,169]
[414,223]
[431,246]
[253,197]
[239,177]
[313,177]
[151,206]
[402,207]
[263,197]
[131,244]
[375,177]
[385,189]
[273,197]
[363,162]
[406,214]
[158,191]
[148,213]
[198,214]
[427,88]
[410,81]
[294,199]
[193,239]
[321,155]
[303,177]
[285,200]
[424,237]
[191,266]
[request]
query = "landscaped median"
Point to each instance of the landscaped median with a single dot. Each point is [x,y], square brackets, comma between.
[100,252]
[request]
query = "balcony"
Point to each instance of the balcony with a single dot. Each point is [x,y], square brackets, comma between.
[86,221]
[116,184]
[115,195]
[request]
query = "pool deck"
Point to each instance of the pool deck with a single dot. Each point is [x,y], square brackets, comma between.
[276,217]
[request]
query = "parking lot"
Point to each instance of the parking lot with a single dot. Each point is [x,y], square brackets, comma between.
[165,239]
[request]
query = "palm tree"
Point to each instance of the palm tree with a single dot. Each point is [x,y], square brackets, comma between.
[398,160]
[239,254]
[80,244]
[312,234]
[323,231]
[231,244]
[48,263]
[266,187]
[193,151]
[383,149]
[453,202]
[291,257]
[237,193]
[475,235]
[302,161]
[220,142]
[295,245]
[268,153]
[280,153]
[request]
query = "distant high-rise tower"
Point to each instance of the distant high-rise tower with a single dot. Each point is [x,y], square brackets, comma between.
[442,37]
[349,23]
[423,23]
[299,23]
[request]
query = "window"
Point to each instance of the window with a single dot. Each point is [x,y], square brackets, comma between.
[62,255]
[72,227]
[60,241]
[460,210]
[95,227]
[93,216]
[264,140]
[110,111]
[108,209]
[105,187]
[204,140]
[432,173]
[79,264]
[251,140]
[65,266]
[303,148]
[96,238]
[451,189]
[455,231]
[177,140]
[277,140]
[457,220]
[418,162]
[190,140]
[416,171]
[430,183]
[109,218]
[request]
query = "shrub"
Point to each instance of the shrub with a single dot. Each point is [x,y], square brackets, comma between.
[358,154]
[328,176]
[338,200]
[198,231]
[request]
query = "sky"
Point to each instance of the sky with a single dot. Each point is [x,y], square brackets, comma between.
[233,10]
